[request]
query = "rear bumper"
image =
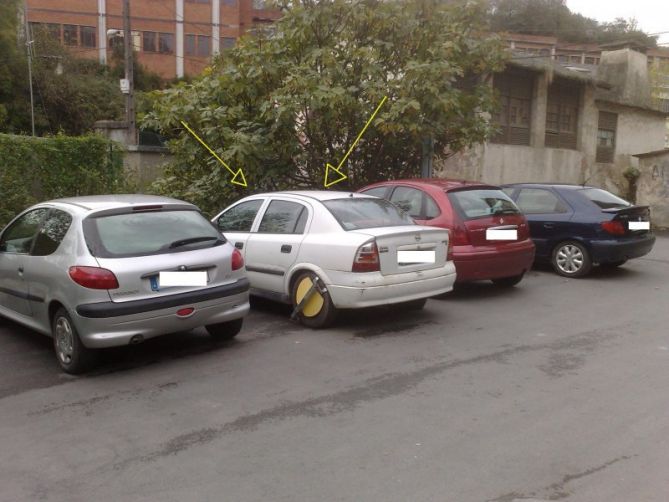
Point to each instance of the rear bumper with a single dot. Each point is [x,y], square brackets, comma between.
[108,326]
[604,251]
[475,263]
[354,290]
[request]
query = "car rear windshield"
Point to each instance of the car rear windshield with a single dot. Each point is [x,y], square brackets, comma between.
[356,213]
[604,199]
[149,233]
[480,203]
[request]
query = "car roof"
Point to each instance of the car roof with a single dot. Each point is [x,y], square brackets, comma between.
[320,195]
[104,202]
[442,183]
[564,186]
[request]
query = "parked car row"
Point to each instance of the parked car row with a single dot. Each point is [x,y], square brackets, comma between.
[102,271]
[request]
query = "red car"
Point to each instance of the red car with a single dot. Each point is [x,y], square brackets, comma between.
[474,213]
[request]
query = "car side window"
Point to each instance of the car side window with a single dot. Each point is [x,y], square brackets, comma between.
[431,208]
[283,217]
[377,191]
[18,237]
[410,200]
[51,233]
[239,218]
[539,201]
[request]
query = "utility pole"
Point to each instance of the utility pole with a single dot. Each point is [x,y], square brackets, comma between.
[129,75]
[29,48]
[426,161]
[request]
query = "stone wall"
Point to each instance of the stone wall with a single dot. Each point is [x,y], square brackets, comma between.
[653,187]
[145,164]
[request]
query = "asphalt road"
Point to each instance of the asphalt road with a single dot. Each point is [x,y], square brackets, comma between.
[555,390]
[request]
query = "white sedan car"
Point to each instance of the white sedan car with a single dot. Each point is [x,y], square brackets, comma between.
[326,250]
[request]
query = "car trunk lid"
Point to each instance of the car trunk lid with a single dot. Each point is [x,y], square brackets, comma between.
[397,246]
[487,216]
[635,219]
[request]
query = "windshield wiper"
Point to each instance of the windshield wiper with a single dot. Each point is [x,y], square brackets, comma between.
[506,211]
[192,240]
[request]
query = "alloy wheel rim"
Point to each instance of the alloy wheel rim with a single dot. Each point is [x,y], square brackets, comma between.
[64,340]
[569,259]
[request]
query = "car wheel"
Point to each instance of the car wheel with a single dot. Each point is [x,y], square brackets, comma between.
[73,356]
[319,311]
[571,259]
[225,330]
[508,282]
[613,264]
[415,304]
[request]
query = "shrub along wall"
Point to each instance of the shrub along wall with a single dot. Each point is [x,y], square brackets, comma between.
[37,169]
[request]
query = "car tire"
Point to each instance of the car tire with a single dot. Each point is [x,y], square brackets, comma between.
[415,304]
[225,330]
[73,356]
[508,282]
[613,264]
[320,314]
[571,259]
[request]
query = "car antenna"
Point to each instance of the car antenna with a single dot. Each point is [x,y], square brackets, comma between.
[586,180]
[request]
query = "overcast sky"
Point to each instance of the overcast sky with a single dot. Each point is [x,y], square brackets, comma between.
[652,15]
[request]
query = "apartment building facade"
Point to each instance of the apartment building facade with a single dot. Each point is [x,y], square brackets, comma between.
[568,53]
[173,38]
[570,124]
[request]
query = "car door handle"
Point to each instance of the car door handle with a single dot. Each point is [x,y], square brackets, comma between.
[239,245]
[549,225]
[20,270]
[286,248]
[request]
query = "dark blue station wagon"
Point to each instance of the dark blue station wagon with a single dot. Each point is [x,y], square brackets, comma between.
[575,227]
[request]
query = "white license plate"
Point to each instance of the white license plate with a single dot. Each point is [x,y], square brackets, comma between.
[411,257]
[171,279]
[639,225]
[492,234]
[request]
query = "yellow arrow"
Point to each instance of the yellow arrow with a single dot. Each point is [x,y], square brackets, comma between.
[329,168]
[238,177]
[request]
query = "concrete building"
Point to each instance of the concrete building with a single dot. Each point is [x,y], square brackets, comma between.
[564,123]
[172,37]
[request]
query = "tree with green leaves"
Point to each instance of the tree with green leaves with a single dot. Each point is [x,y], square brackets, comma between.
[70,92]
[284,103]
[553,17]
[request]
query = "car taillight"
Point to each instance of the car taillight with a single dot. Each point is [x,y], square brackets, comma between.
[93,277]
[460,237]
[449,249]
[367,258]
[237,261]
[614,227]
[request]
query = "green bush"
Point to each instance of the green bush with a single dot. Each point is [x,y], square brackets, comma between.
[36,169]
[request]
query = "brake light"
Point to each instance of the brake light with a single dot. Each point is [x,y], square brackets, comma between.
[614,227]
[460,236]
[367,258]
[93,277]
[237,261]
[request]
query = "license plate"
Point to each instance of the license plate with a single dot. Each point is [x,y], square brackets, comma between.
[492,234]
[176,279]
[412,257]
[639,225]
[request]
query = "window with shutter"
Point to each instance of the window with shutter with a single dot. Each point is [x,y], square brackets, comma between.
[513,116]
[562,115]
[606,136]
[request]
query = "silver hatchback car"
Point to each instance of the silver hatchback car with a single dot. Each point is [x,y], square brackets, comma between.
[103,271]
